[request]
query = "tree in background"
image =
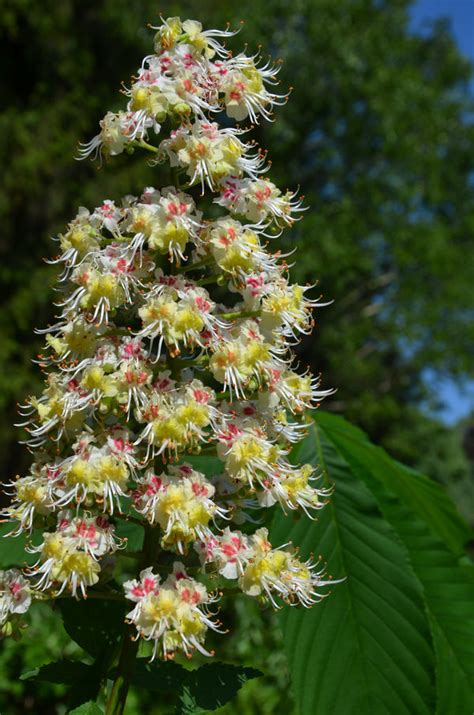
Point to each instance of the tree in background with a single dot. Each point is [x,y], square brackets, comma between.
[381,122]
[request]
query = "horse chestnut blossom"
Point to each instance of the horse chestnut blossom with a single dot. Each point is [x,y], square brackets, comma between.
[173,343]
[15,599]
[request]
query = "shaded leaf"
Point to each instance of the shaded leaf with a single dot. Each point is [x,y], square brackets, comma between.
[211,686]
[96,625]
[84,680]
[205,688]
[158,676]
[61,671]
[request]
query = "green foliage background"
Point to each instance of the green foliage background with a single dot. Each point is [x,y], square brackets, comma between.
[379,135]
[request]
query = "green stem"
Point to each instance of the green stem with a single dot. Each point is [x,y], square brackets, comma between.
[130,642]
[125,668]
[144,145]
[117,332]
[176,173]
[103,595]
[181,363]
[174,366]
[208,451]
[240,314]
[206,281]
[129,517]
[195,266]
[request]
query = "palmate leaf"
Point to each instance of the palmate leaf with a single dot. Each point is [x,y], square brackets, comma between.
[84,680]
[211,686]
[367,648]
[197,691]
[66,672]
[422,495]
[97,626]
[447,583]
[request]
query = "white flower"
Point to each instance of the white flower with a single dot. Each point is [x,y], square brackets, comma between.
[118,131]
[278,574]
[69,556]
[259,200]
[32,495]
[15,594]
[209,154]
[229,551]
[243,84]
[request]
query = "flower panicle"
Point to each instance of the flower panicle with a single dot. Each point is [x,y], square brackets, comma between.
[174,338]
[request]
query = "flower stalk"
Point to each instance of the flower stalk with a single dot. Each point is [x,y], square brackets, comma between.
[130,642]
[125,669]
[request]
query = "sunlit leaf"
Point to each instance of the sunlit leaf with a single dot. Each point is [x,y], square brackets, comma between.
[367,647]
[447,583]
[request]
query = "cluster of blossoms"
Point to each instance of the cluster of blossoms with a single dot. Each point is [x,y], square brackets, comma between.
[70,556]
[181,503]
[260,569]
[190,76]
[174,337]
[172,614]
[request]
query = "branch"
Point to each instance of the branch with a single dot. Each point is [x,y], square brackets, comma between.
[130,642]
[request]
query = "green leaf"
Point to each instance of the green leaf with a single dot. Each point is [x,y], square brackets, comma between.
[426,498]
[134,533]
[12,548]
[158,676]
[211,686]
[89,708]
[62,671]
[366,648]
[96,625]
[205,688]
[448,584]
[455,694]
[84,680]
[208,465]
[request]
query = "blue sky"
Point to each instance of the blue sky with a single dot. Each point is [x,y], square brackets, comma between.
[460,14]
[458,401]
